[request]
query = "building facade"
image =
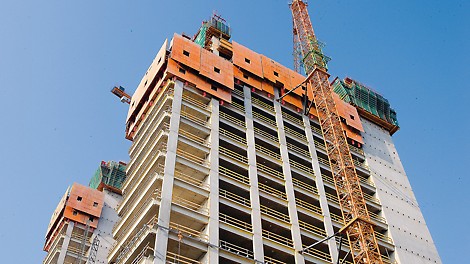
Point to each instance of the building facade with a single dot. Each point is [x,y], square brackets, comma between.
[221,171]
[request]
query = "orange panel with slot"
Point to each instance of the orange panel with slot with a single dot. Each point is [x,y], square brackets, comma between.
[216,68]
[247,59]
[246,78]
[186,52]
[173,69]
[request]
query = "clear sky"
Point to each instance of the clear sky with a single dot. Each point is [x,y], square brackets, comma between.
[59,59]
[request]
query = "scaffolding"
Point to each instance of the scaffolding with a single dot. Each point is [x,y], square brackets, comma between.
[110,173]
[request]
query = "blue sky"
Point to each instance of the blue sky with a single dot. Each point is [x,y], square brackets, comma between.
[59,59]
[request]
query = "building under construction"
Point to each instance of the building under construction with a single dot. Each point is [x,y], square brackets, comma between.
[234,160]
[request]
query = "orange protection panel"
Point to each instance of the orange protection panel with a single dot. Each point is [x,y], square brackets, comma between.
[201,84]
[296,79]
[349,113]
[216,68]
[80,217]
[152,71]
[293,100]
[267,87]
[352,134]
[251,81]
[82,198]
[186,52]
[275,72]
[247,59]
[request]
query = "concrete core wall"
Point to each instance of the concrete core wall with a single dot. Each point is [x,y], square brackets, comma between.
[407,227]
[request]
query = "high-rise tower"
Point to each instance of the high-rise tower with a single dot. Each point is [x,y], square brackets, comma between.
[222,172]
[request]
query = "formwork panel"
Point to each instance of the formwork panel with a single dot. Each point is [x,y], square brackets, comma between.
[174,69]
[246,78]
[216,68]
[186,52]
[247,59]
[148,78]
[349,113]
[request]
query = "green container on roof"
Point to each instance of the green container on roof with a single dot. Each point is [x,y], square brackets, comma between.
[360,96]
[111,173]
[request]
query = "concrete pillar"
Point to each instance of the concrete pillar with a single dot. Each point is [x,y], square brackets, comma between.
[213,225]
[291,206]
[164,211]
[321,190]
[253,175]
[65,244]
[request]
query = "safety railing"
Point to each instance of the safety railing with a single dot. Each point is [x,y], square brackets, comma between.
[157,106]
[317,253]
[234,197]
[337,218]
[272,191]
[296,149]
[234,175]
[232,119]
[270,171]
[125,215]
[293,119]
[233,154]
[194,158]
[146,251]
[317,130]
[194,101]
[302,167]
[193,137]
[356,149]
[266,134]
[377,217]
[371,198]
[268,152]
[295,134]
[330,180]
[191,205]
[319,145]
[237,250]
[194,119]
[191,180]
[262,104]
[360,164]
[274,213]
[305,186]
[129,247]
[135,193]
[238,106]
[308,206]
[188,232]
[238,92]
[232,136]
[235,222]
[277,238]
[136,161]
[269,260]
[332,198]
[312,228]
[176,258]
[383,237]
[264,118]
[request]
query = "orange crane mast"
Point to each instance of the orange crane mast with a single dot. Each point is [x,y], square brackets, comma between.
[357,225]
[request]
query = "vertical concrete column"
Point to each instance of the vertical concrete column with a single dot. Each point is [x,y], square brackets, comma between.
[163,223]
[213,225]
[65,244]
[291,206]
[321,190]
[253,175]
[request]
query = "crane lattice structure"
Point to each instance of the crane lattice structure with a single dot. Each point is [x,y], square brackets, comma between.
[359,229]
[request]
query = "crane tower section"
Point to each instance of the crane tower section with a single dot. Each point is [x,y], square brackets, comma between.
[356,219]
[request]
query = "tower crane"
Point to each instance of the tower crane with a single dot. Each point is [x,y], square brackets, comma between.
[357,224]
